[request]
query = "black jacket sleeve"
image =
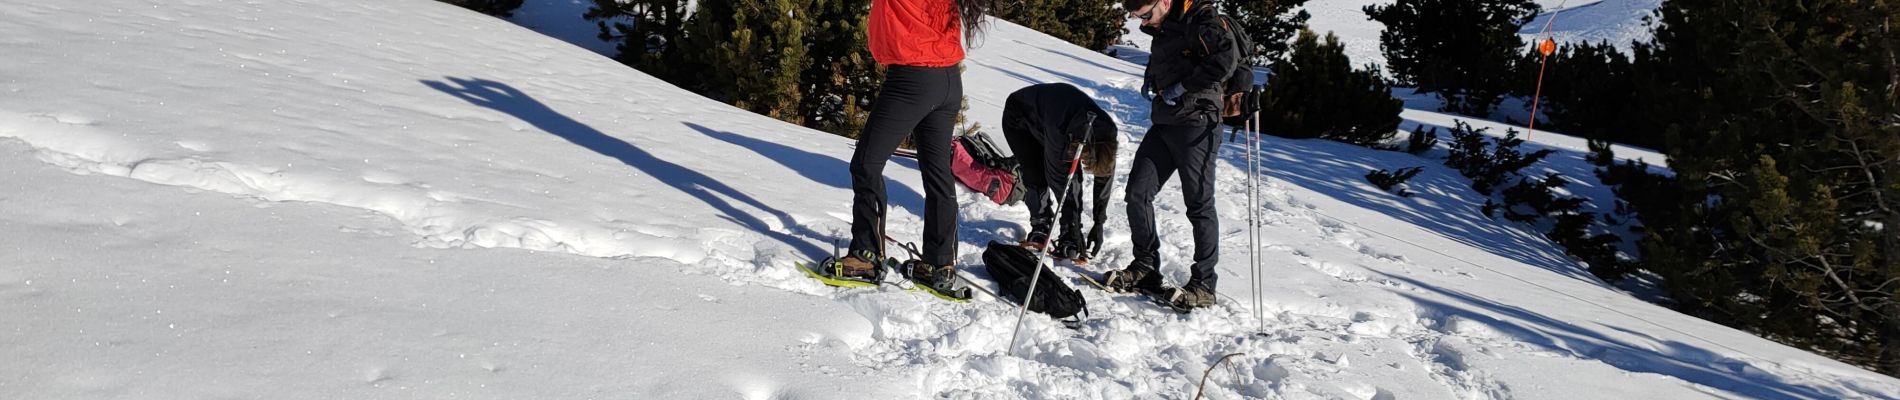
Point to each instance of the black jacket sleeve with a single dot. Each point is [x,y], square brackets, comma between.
[1218,54]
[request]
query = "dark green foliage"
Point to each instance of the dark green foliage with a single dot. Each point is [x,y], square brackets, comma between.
[1599,251]
[1317,93]
[754,54]
[1533,198]
[1093,24]
[842,79]
[1386,180]
[499,8]
[1270,24]
[1488,166]
[812,69]
[1536,201]
[1783,132]
[1590,90]
[649,36]
[1462,50]
[1422,140]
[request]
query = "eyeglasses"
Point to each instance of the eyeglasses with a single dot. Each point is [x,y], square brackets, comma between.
[1151,11]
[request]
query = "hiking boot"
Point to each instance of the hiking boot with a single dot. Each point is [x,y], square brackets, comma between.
[1138,277]
[1037,241]
[1191,297]
[941,279]
[856,266]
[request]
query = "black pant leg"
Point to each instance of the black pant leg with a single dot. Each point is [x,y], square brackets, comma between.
[904,100]
[1029,157]
[933,152]
[1151,167]
[1072,208]
[1195,151]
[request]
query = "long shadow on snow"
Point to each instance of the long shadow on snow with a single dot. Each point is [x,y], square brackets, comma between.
[507,99]
[1442,207]
[1684,361]
[819,168]
[1097,64]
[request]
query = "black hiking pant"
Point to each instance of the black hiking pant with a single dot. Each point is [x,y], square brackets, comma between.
[1165,150]
[1041,172]
[919,103]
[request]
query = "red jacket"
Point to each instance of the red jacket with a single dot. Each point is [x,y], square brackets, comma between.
[922,33]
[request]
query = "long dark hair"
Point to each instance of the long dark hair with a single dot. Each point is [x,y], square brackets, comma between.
[972,12]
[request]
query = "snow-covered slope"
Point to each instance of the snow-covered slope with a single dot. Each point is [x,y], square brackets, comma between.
[1577,21]
[397,198]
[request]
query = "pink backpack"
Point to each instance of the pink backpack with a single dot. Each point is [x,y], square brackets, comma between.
[992,175]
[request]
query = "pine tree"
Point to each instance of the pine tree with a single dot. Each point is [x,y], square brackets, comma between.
[1785,142]
[1093,24]
[1590,91]
[499,8]
[648,34]
[842,79]
[1317,93]
[755,53]
[1271,24]
[1462,50]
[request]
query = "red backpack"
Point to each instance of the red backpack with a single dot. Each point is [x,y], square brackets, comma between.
[981,166]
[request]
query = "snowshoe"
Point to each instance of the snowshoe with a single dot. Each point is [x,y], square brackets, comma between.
[1191,296]
[1068,249]
[1037,241]
[1136,278]
[940,281]
[849,271]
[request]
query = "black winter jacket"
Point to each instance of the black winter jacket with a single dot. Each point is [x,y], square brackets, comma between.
[1191,48]
[1058,113]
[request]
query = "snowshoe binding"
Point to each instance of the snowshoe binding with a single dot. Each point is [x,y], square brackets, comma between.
[1037,241]
[847,271]
[1190,297]
[940,281]
[1069,249]
[1137,278]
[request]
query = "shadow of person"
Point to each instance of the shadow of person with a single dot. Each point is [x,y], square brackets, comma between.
[1690,363]
[820,168]
[507,99]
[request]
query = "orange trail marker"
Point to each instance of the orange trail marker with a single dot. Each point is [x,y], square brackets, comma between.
[1545,48]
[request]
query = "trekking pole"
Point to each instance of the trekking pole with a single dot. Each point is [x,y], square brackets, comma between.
[1061,199]
[1253,273]
[1260,282]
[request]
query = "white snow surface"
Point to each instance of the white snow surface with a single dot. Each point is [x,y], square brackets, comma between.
[401,199]
[1577,21]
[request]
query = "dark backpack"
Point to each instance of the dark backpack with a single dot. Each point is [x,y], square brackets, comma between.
[1011,266]
[1239,105]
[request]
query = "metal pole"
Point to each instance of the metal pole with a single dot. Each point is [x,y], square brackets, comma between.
[1061,198]
[1260,282]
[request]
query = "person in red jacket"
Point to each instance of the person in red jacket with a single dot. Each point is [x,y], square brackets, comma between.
[920,42]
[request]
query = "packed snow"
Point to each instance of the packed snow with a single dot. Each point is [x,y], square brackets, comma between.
[1575,21]
[377,198]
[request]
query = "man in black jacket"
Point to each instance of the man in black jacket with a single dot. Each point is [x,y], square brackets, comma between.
[1045,125]
[1193,55]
